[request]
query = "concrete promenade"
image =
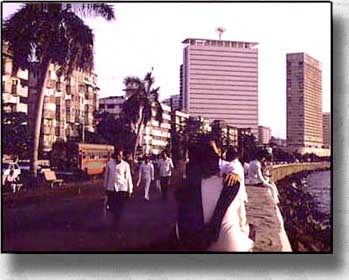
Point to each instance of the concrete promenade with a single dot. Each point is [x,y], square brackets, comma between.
[80,223]
[74,218]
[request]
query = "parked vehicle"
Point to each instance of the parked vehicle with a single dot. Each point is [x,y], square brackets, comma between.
[90,159]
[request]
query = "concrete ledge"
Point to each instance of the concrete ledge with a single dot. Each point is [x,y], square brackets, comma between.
[266,217]
[279,172]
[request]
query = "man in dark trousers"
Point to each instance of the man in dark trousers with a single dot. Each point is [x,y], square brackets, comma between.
[165,169]
[117,184]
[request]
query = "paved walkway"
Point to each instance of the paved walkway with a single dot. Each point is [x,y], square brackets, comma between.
[81,223]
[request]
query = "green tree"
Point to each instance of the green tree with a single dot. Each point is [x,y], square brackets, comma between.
[191,133]
[15,134]
[138,108]
[114,131]
[48,33]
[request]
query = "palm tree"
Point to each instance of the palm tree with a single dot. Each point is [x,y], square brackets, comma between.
[47,33]
[138,107]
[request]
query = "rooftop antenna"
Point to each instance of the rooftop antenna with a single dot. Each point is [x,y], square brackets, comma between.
[220,31]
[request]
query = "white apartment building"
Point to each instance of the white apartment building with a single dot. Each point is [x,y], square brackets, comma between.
[69,105]
[156,137]
[112,105]
[14,88]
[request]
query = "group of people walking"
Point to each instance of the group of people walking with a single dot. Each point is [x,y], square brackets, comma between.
[118,181]
[210,198]
[159,170]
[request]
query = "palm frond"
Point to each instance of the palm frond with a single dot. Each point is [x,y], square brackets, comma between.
[19,34]
[132,80]
[154,93]
[92,9]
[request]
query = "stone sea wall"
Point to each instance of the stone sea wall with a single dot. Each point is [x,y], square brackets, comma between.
[293,225]
[279,172]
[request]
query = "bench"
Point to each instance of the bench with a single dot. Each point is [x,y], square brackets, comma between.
[50,177]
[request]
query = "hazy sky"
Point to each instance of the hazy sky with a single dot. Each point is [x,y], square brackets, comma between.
[146,35]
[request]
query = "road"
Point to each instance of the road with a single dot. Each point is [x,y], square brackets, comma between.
[81,223]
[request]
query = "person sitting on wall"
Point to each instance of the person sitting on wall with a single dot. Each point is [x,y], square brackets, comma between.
[255,176]
[11,181]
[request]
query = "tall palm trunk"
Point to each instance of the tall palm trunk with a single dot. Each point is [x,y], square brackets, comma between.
[139,126]
[38,115]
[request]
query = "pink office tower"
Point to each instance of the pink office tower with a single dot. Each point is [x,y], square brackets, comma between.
[219,81]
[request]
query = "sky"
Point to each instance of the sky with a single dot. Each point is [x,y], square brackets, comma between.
[149,35]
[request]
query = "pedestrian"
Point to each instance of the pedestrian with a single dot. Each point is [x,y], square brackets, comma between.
[118,184]
[145,175]
[165,170]
[156,172]
[255,175]
[129,160]
[208,207]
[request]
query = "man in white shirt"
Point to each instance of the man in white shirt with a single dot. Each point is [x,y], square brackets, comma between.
[146,174]
[165,167]
[117,184]
[256,177]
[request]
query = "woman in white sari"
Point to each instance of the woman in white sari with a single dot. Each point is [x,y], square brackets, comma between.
[232,234]
[210,215]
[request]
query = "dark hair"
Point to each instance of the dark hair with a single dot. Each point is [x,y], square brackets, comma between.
[117,151]
[209,158]
[232,153]
[260,154]
[164,153]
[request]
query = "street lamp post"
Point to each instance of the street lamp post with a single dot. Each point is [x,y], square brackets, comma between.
[83,131]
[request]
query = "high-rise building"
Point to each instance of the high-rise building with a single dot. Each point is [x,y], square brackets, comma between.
[220,81]
[174,102]
[69,104]
[14,87]
[278,141]
[326,125]
[304,102]
[264,134]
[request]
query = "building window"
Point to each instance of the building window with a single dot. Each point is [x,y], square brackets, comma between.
[23,99]
[110,106]
[24,83]
[101,106]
